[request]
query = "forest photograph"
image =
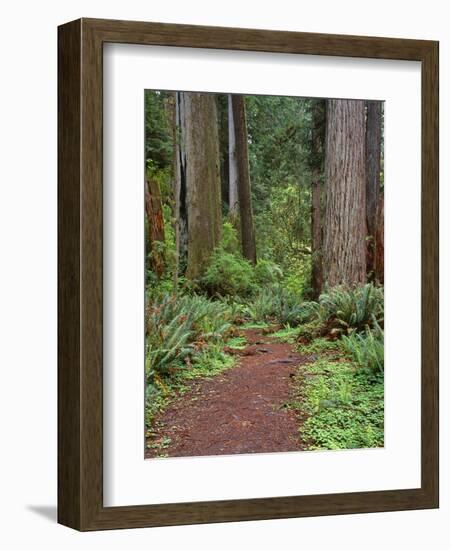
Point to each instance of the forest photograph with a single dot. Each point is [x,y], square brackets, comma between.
[264,274]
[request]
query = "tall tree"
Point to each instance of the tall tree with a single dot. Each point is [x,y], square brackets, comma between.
[180,185]
[222,112]
[379,242]
[232,163]
[243,174]
[373,170]
[345,216]
[198,190]
[155,225]
[317,150]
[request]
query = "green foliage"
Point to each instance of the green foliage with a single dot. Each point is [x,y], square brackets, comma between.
[168,344]
[287,334]
[238,342]
[157,288]
[277,133]
[177,327]
[228,275]
[319,345]
[279,144]
[157,397]
[160,391]
[230,241]
[367,348]
[276,304]
[255,325]
[347,309]
[158,133]
[184,340]
[340,393]
[297,279]
[267,273]
[344,310]
[282,233]
[210,361]
[344,404]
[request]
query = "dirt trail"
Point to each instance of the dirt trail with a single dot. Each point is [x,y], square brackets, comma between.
[237,411]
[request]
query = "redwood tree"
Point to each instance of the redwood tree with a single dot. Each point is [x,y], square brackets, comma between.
[155,225]
[243,177]
[232,163]
[316,166]
[379,242]
[373,169]
[180,187]
[198,193]
[345,216]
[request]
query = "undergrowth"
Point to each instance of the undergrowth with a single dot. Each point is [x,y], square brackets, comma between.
[343,405]
[163,390]
[287,334]
[339,393]
[185,337]
[319,345]
[367,348]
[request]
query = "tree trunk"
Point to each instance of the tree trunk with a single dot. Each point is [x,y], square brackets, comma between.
[244,190]
[201,170]
[172,106]
[379,242]
[232,163]
[316,237]
[155,225]
[180,191]
[345,217]
[222,112]
[373,168]
[316,165]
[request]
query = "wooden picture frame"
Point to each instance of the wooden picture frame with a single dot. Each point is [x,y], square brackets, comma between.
[80,272]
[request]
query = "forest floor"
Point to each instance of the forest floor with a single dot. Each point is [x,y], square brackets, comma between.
[240,410]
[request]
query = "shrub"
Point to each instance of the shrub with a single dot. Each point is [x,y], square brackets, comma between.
[290,310]
[345,309]
[176,327]
[298,279]
[228,275]
[367,348]
[275,303]
[230,241]
[267,273]
[167,344]
[261,308]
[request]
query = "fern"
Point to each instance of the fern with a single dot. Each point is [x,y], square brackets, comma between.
[275,303]
[367,348]
[176,326]
[346,310]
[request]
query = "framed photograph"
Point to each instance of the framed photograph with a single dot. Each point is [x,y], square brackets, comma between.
[248,274]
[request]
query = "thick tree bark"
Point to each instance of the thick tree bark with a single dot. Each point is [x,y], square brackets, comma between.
[316,165]
[379,242]
[373,168]
[222,116]
[244,190]
[316,237]
[155,225]
[345,217]
[180,190]
[232,163]
[172,107]
[200,179]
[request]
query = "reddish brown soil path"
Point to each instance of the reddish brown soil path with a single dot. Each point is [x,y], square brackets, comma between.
[237,411]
